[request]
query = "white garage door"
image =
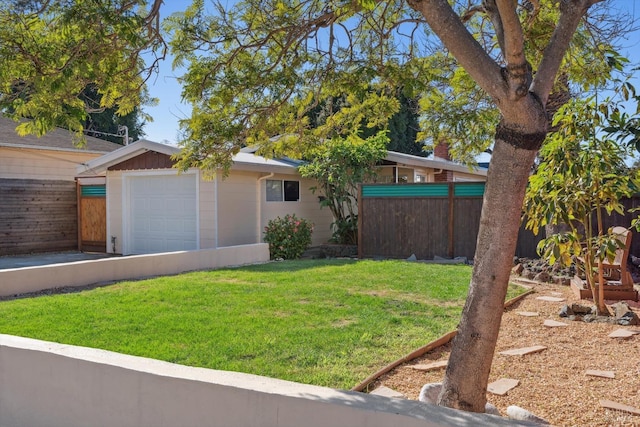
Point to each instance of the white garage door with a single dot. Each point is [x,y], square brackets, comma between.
[162,213]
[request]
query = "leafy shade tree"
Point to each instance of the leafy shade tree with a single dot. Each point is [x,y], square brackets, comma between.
[338,166]
[52,51]
[581,177]
[107,124]
[255,69]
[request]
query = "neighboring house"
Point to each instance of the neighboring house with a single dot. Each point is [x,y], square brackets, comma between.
[405,168]
[152,208]
[38,210]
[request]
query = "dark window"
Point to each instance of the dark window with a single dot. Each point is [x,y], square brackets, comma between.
[278,191]
[291,191]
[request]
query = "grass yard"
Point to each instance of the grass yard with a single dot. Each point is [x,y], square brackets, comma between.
[329,322]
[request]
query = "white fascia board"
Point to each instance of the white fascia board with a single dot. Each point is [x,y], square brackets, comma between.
[100,164]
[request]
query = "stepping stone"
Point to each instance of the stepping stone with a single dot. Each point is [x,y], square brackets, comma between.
[524,350]
[602,374]
[387,392]
[556,294]
[551,299]
[528,313]
[610,404]
[502,386]
[622,333]
[553,323]
[430,366]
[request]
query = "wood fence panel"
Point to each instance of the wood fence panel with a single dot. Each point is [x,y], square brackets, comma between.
[466,221]
[37,216]
[399,227]
[396,227]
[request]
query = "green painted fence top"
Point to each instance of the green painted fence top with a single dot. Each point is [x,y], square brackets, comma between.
[475,189]
[93,190]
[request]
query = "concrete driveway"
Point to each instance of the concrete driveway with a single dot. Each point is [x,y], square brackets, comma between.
[30,260]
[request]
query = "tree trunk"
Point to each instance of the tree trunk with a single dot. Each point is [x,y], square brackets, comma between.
[474,345]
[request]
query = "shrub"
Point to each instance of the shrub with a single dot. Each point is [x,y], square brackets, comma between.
[288,237]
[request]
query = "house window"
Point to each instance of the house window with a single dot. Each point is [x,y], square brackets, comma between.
[278,191]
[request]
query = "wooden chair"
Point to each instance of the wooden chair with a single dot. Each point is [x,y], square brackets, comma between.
[616,271]
[618,283]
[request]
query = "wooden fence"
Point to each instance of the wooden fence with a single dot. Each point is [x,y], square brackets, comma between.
[37,216]
[427,219]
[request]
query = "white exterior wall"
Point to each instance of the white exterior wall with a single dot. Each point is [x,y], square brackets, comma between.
[114,211]
[208,220]
[237,208]
[459,176]
[308,207]
[25,163]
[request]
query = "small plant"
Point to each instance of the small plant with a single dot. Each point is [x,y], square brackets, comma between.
[288,237]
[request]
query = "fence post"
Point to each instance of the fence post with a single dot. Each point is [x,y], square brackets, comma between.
[451,213]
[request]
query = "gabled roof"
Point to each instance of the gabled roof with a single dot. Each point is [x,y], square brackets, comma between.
[435,163]
[100,164]
[247,160]
[56,140]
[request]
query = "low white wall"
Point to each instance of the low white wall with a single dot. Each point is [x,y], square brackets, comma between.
[80,273]
[49,384]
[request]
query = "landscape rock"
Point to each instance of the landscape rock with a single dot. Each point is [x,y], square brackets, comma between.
[412,258]
[517,269]
[430,392]
[543,276]
[583,309]
[620,308]
[520,414]
[628,319]
[566,311]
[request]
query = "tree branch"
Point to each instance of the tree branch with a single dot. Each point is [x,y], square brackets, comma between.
[468,52]
[571,12]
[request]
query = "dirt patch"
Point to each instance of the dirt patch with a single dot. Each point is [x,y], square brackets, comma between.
[553,383]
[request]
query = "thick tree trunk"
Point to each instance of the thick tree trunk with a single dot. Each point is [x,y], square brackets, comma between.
[473,347]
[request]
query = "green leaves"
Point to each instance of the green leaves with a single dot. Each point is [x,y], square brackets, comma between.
[50,58]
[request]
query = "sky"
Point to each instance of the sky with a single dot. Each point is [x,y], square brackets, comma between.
[165,87]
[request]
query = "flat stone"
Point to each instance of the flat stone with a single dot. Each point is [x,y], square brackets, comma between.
[524,350]
[549,323]
[387,392]
[551,299]
[528,313]
[622,333]
[602,374]
[502,386]
[426,367]
[610,404]
[556,294]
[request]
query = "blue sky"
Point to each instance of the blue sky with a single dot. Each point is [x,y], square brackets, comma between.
[170,109]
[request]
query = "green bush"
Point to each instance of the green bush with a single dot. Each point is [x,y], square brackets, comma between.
[288,237]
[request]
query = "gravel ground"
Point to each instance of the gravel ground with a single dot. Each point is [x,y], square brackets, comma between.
[553,384]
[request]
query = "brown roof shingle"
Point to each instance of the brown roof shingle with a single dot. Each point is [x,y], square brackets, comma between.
[57,139]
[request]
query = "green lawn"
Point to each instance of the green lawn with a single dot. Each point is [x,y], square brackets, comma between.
[331,322]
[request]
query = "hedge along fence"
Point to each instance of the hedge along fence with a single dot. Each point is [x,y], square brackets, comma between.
[425,219]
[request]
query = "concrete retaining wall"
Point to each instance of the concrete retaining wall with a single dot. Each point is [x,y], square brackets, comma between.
[49,384]
[81,273]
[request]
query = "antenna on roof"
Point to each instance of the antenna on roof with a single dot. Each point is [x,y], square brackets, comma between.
[123,131]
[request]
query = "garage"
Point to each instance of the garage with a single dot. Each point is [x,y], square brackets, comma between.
[162,213]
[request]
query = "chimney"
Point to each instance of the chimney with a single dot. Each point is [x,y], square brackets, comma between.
[441,150]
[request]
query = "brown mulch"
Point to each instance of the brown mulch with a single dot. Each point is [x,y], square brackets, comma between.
[553,384]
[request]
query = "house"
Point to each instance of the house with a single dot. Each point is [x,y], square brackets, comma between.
[151,208]
[405,168]
[38,209]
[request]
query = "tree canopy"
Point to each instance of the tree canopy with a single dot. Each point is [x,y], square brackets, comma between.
[53,50]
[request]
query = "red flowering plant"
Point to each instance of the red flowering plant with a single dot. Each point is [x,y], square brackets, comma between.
[288,237]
